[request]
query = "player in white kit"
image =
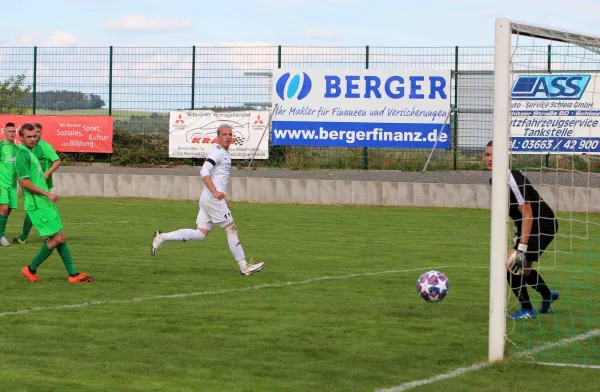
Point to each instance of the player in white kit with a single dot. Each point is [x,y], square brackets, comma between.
[214,208]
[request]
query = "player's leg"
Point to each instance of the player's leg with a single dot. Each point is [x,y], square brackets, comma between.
[30,271]
[519,289]
[27,225]
[48,222]
[8,201]
[539,243]
[235,246]
[221,214]
[203,223]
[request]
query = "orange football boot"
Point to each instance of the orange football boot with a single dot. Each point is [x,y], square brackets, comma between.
[81,277]
[31,277]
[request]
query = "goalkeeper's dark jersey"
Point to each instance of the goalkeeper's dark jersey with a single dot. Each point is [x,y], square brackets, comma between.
[522,191]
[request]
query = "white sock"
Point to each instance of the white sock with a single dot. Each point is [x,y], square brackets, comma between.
[184,235]
[236,248]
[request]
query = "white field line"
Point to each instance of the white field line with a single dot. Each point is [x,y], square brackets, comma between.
[457,372]
[568,365]
[205,293]
[192,224]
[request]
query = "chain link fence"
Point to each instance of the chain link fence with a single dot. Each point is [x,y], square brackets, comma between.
[138,86]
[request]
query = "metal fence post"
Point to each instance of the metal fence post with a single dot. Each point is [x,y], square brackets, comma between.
[110,80]
[455,119]
[365,149]
[277,149]
[549,71]
[34,83]
[193,76]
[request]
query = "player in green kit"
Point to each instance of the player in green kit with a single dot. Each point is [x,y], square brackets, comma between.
[50,162]
[39,204]
[8,178]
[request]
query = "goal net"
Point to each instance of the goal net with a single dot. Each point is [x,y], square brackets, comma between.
[547,126]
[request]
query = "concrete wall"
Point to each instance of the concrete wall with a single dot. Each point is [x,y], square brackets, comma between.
[312,191]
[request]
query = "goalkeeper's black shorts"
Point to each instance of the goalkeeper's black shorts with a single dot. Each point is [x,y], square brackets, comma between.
[541,236]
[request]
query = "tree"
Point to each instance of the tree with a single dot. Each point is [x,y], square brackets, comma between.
[12,91]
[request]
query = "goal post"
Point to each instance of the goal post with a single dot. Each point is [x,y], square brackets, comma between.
[565,162]
[499,199]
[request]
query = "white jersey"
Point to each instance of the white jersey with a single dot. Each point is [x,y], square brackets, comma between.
[221,161]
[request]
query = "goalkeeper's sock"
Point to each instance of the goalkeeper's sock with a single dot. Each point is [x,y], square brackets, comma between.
[519,289]
[535,280]
[184,235]
[235,246]
[27,225]
[3,220]
[42,255]
[67,258]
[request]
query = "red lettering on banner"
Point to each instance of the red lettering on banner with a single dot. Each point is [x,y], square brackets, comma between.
[91,134]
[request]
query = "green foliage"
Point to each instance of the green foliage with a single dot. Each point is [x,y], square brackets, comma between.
[132,149]
[12,91]
[156,125]
[63,100]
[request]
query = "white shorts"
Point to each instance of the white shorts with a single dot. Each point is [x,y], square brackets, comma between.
[213,211]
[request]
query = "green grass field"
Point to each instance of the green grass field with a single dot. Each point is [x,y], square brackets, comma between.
[335,308]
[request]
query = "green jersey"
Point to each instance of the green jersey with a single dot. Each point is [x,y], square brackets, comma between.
[29,167]
[8,173]
[47,156]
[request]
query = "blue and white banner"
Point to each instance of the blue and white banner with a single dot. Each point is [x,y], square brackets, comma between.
[361,108]
[555,113]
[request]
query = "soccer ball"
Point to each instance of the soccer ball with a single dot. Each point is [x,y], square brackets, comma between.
[433,286]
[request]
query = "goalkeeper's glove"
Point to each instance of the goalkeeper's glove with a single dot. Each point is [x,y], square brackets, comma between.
[520,261]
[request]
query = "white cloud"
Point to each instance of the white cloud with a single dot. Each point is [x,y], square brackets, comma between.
[62,38]
[58,38]
[30,38]
[321,33]
[289,3]
[244,44]
[281,3]
[142,24]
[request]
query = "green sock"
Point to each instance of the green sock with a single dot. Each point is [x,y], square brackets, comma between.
[26,228]
[42,255]
[67,259]
[3,220]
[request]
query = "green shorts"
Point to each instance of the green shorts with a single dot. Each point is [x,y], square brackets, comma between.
[10,197]
[46,220]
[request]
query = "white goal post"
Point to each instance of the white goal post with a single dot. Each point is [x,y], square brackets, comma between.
[503,79]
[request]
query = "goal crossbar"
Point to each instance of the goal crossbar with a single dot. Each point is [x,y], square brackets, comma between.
[585,41]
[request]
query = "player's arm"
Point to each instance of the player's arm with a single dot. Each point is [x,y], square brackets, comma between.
[527,214]
[24,175]
[518,185]
[27,184]
[52,169]
[205,172]
[53,157]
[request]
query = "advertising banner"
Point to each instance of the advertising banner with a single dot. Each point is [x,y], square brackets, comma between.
[193,133]
[554,114]
[388,108]
[90,134]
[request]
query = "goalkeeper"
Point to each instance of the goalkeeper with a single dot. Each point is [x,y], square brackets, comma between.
[535,228]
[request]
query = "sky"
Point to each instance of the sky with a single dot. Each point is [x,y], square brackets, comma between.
[152,63]
[130,23]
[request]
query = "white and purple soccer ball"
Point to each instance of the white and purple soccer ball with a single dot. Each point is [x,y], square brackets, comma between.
[433,286]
